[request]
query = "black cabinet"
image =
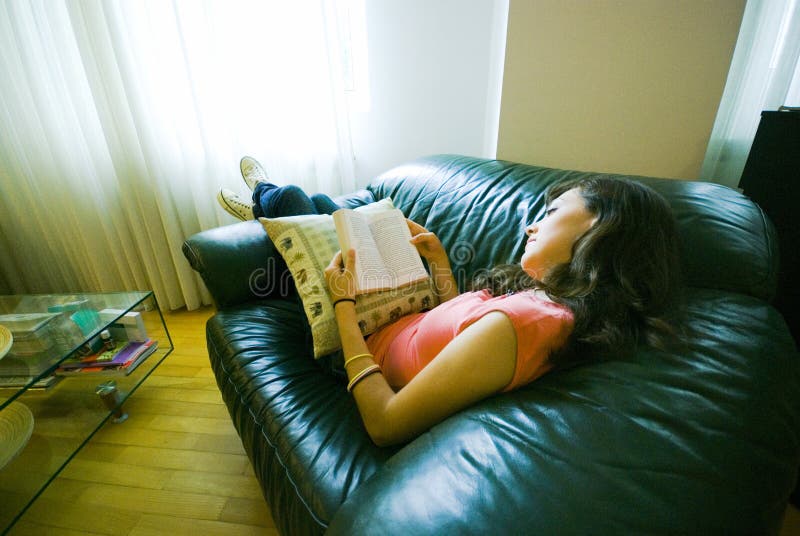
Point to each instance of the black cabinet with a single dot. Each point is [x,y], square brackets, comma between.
[771,178]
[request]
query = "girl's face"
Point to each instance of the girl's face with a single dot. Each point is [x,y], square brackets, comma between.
[550,239]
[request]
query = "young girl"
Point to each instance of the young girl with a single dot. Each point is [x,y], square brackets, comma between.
[598,276]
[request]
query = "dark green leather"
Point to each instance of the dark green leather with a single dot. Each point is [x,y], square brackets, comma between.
[703,440]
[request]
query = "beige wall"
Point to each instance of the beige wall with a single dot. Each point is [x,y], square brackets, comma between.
[623,86]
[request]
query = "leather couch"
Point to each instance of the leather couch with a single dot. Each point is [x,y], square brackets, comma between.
[700,441]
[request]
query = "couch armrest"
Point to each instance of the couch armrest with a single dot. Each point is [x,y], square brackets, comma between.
[237,263]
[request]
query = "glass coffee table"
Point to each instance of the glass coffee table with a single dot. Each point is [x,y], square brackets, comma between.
[69,362]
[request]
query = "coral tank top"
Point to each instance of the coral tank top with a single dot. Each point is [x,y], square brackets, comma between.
[406,346]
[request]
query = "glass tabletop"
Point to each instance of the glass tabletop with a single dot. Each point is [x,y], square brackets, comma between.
[46,329]
[51,401]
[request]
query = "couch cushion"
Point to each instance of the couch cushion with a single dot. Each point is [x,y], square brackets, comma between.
[475,205]
[299,426]
[701,441]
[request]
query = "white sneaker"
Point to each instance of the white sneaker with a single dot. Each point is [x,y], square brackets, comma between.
[252,172]
[235,205]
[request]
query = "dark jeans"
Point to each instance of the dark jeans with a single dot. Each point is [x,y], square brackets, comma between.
[272,201]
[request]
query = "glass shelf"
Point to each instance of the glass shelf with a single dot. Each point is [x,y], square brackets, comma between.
[50,329]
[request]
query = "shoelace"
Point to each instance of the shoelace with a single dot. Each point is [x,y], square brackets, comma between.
[239,203]
[236,201]
[252,171]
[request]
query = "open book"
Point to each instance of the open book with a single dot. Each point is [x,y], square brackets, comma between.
[384,257]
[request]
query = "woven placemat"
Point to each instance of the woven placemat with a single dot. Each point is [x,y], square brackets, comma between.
[16,427]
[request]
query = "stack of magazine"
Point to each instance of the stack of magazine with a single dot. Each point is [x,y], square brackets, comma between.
[119,361]
[37,345]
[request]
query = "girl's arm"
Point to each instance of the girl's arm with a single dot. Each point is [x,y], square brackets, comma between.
[431,248]
[478,363]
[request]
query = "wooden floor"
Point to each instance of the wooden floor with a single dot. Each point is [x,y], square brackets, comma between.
[176,466]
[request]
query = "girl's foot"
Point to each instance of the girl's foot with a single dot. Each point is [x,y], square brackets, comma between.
[235,205]
[252,172]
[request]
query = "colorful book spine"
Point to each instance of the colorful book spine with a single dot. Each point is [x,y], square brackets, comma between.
[123,361]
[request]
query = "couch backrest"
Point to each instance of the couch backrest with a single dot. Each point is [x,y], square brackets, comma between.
[479,209]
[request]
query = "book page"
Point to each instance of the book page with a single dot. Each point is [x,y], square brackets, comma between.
[400,258]
[353,231]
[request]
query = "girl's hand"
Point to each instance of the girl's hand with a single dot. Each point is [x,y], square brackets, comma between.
[340,276]
[428,244]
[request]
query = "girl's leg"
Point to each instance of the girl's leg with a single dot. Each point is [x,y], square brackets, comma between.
[324,204]
[272,201]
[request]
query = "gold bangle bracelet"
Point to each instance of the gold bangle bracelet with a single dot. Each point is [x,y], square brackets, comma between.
[353,358]
[361,375]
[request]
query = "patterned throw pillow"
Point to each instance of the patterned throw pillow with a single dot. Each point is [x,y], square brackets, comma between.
[307,244]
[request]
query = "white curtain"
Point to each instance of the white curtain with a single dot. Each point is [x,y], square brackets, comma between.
[764,75]
[121,119]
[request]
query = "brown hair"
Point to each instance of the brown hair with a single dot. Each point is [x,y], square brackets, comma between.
[623,281]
